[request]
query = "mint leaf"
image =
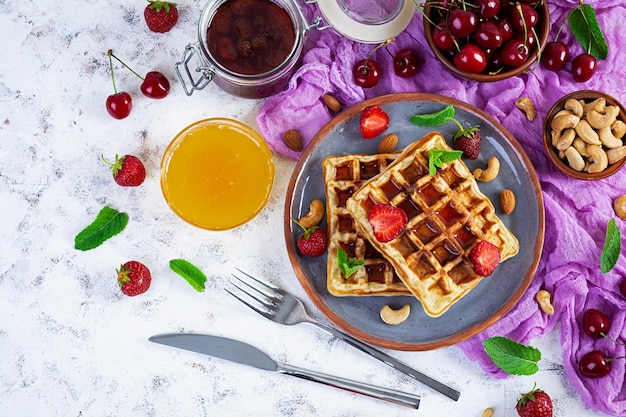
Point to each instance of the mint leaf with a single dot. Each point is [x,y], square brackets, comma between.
[584,25]
[512,357]
[437,157]
[348,266]
[433,119]
[194,276]
[612,247]
[107,224]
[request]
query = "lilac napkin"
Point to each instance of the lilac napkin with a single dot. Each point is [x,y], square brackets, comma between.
[577,212]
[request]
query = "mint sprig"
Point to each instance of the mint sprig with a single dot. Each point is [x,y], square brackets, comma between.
[512,357]
[584,25]
[612,247]
[348,266]
[108,223]
[437,157]
[194,276]
[434,119]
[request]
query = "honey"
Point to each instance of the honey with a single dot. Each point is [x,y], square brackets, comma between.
[217,174]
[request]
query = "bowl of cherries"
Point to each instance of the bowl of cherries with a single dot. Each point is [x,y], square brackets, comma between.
[486,40]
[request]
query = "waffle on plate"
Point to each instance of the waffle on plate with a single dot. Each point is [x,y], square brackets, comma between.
[447,215]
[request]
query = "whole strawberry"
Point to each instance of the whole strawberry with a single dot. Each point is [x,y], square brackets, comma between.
[536,403]
[312,242]
[133,278]
[468,141]
[128,171]
[161,16]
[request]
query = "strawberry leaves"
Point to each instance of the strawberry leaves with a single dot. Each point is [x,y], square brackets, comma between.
[107,224]
[584,25]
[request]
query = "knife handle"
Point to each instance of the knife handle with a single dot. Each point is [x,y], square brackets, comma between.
[393,362]
[385,394]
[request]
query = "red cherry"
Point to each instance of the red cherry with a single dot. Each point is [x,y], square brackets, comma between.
[594,364]
[487,35]
[119,105]
[623,287]
[406,63]
[366,73]
[470,59]
[506,30]
[443,39]
[462,22]
[555,56]
[488,8]
[524,17]
[514,53]
[583,67]
[595,323]
[155,85]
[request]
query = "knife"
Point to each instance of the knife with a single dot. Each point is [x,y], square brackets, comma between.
[243,353]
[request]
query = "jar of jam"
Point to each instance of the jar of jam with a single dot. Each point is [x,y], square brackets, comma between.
[250,48]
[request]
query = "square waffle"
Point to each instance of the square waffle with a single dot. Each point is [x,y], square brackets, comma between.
[343,175]
[447,215]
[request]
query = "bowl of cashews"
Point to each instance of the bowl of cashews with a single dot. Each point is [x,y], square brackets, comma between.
[584,134]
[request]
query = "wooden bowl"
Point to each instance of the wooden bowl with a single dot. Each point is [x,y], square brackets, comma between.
[542,28]
[553,153]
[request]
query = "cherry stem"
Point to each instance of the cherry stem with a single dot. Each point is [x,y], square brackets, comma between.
[111,54]
[614,359]
[380,45]
[112,75]
[606,336]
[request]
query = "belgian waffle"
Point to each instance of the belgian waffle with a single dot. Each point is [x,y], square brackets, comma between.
[343,175]
[447,215]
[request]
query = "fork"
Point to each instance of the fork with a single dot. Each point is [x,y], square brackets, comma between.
[281,307]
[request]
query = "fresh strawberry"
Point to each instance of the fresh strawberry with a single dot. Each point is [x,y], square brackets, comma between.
[312,242]
[133,278]
[485,257]
[387,221]
[161,16]
[468,140]
[536,403]
[374,121]
[128,171]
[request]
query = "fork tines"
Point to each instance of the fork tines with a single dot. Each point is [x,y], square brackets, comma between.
[264,293]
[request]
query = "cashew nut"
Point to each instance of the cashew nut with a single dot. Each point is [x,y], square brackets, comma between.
[575,107]
[599,159]
[607,138]
[619,205]
[391,316]
[574,159]
[616,154]
[564,121]
[490,173]
[618,128]
[314,216]
[580,146]
[599,120]
[565,139]
[586,133]
[543,298]
[524,104]
[598,105]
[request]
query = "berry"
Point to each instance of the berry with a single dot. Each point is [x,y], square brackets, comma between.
[468,140]
[594,364]
[555,56]
[524,17]
[535,403]
[623,287]
[470,59]
[462,22]
[514,53]
[387,221]
[312,242]
[583,67]
[119,104]
[374,121]
[128,171]
[161,16]
[366,73]
[488,8]
[485,257]
[406,63]
[154,85]
[596,324]
[487,35]
[443,39]
[133,278]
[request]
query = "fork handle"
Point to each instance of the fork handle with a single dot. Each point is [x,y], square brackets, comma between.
[386,394]
[393,362]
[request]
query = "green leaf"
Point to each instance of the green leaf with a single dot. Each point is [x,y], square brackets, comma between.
[348,266]
[433,119]
[194,276]
[512,357]
[437,157]
[107,224]
[612,247]
[585,27]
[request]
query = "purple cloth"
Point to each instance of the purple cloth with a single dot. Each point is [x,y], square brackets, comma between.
[577,212]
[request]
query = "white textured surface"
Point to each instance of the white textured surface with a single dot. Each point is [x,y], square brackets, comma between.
[70,343]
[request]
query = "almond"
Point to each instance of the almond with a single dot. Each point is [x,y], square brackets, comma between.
[388,143]
[332,103]
[293,140]
[507,201]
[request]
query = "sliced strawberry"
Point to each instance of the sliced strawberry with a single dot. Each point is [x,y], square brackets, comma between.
[374,121]
[485,257]
[468,141]
[387,221]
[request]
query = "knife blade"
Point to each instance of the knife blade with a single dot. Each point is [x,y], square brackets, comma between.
[246,354]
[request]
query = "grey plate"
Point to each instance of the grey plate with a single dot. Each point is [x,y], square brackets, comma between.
[494,295]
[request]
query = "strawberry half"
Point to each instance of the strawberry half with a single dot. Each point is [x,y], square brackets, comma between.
[536,403]
[374,121]
[485,257]
[312,242]
[133,278]
[128,171]
[387,221]
[161,16]
[468,141]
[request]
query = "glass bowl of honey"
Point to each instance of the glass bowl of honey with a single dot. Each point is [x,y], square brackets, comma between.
[217,174]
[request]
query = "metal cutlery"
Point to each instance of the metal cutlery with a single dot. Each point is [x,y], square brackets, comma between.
[243,353]
[282,307]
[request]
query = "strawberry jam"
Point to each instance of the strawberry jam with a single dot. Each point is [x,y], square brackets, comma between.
[250,37]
